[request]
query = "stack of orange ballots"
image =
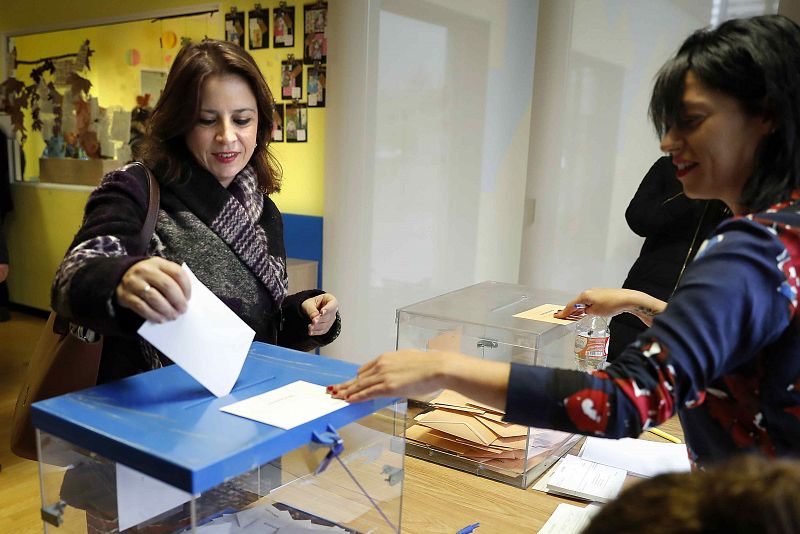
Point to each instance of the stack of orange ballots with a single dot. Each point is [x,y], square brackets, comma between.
[458,425]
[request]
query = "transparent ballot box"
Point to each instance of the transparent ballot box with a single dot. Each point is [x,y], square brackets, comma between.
[154,453]
[479,320]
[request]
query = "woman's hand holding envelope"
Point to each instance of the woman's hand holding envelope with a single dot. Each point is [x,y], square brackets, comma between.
[612,301]
[412,372]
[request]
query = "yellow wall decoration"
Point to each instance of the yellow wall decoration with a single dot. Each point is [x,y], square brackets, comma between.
[169,39]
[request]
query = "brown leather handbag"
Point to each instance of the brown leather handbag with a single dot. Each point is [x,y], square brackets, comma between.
[67,356]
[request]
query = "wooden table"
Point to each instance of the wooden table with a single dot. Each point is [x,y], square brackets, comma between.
[439,499]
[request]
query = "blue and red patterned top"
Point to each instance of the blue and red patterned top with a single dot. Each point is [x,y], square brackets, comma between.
[724,355]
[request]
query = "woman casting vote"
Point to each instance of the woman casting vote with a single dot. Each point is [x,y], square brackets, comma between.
[207,144]
[725,353]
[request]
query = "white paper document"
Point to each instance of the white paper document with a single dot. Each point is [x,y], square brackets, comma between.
[580,478]
[638,456]
[569,519]
[140,497]
[209,341]
[287,406]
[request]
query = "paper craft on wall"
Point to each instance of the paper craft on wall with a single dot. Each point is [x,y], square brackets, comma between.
[316,86]
[277,128]
[291,78]
[296,123]
[259,28]
[234,27]
[316,40]
[283,26]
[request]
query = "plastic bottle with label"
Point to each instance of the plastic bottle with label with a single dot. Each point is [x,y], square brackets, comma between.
[591,342]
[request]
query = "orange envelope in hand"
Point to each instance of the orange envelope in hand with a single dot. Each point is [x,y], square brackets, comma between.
[460,425]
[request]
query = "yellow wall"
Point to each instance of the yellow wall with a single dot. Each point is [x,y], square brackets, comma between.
[39,231]
[45,219]
[116,83]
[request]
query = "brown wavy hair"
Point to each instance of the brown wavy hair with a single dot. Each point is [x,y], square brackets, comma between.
[164,148]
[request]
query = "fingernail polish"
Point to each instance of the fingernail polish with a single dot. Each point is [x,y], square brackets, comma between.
[329,388]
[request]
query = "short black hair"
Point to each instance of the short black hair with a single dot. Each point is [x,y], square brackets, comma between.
[756,61]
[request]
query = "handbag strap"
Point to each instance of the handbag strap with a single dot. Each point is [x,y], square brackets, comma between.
[61,323]
[154,201]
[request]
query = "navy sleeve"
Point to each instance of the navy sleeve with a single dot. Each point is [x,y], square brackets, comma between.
[732,301]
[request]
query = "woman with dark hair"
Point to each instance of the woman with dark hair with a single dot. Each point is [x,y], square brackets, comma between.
[723,354]
[207,143]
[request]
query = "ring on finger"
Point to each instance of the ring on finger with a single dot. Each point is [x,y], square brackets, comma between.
[146,289]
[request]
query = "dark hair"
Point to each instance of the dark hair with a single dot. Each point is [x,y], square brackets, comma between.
[164,147]
[757,62]
[742,495]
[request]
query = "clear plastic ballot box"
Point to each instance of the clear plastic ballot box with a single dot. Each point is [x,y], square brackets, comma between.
[154,453]
[479,320]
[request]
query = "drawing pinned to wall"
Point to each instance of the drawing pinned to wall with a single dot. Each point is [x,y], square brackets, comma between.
[296,123]
[283,26]
[62,70]
[132,57]
[168,39]
[258,20]
[277,117]
[316,86]
[316,40]
[234,27]
[291,78]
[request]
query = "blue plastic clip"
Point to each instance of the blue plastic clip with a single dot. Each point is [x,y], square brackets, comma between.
[469,528]
[331,438]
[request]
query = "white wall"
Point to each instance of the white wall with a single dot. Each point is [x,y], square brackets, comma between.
[592,141]
[427,142]
[451,160]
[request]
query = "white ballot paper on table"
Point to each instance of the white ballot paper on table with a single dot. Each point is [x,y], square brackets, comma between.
[209,341]
[287,406]
[637,456]
[569,519]
[577,477]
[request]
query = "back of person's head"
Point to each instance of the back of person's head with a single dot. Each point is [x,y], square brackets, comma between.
[757,62]
[747,494]
[178,109]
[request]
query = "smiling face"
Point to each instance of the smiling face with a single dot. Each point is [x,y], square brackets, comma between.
[224,137]
[713,145]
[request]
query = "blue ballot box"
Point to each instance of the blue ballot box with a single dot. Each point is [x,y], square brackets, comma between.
[154,453]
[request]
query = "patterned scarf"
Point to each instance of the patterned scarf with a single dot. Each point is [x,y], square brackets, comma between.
[237,216]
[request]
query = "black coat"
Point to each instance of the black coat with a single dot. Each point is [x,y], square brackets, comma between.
[674,227]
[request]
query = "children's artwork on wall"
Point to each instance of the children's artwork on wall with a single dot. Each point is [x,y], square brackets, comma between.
[296,123]
[259,28]
[277,125]
[234,27]
[316,86]
[283,26]
[291,78]
[316,40]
